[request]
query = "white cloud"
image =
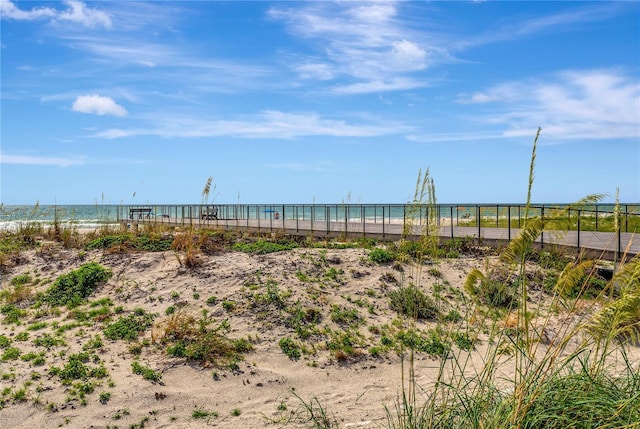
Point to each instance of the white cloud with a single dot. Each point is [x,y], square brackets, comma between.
[98,105]
[559,21]
[76,12]
[39,160]
[379,86]
[499,93]
[10,11]
[270,124]
[408,56]
[591,104]
[369,45]
[315,70]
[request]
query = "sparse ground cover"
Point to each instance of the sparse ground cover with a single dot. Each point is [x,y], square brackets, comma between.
[282,332]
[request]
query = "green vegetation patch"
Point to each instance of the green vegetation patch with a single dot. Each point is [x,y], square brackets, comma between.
[146,372]
[202,340]
[381,256]
[263,246]
[127,242]
[129,327]
[78,368]
[412,302]
[72,288]
[290,348]
[12,314]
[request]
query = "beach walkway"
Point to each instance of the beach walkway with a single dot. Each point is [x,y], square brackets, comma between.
[385,224]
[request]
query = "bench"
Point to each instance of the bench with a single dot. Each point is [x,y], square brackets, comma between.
[209,213]
[140,213]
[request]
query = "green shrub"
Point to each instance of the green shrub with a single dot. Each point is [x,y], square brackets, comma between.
[412,302]
[77,368]
[345,316]
[200,339]
[72,288]
[4,342]
[21,279]
[11,353]
[104,397]
[262,246]
[146,372]
[127,241]
[12,314]
[497,293]
[432,344]
[452,316]
[381,256]
[462,340]
[48,341]
[290,348]
[129,327]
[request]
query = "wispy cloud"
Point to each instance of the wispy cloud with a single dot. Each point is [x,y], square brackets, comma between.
[270,124]
[588,104]
[558,21]
[10,11]
[365,42]
[98,105]
[75,12]
[41,160]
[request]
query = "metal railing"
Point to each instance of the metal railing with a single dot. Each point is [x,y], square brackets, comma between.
[592,226]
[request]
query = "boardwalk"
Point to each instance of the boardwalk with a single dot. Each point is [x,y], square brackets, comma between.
[598,244]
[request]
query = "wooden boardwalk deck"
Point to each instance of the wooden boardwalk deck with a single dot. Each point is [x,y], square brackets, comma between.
[599,244]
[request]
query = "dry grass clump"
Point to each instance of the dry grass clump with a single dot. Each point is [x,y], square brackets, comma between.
[199,339]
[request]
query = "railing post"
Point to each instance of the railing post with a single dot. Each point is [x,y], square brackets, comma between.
[619,238]
[382,221]
[626,218]
[404,216]
[509,222]
[542,233]
[497,216]
[478,219]
[346,221]
[579,229]
[451,219]
[519,217]
[327,217]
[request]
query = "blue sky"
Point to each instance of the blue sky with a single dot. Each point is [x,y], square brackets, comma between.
[326,102]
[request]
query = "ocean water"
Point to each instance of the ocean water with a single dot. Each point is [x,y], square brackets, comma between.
[80,216]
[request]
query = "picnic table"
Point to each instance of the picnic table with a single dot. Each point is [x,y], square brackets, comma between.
[209,213]
[140,213]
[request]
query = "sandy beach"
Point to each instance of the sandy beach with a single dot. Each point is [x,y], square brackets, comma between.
[342,289]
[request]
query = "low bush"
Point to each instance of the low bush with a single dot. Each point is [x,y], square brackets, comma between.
[72,288]
[128,242]
[200,340]
[129,327]
[381,256]
[290,348]
[412,302]
[146,372]
[263,246]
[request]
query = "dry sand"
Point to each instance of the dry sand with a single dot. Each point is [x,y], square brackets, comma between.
[355,391]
